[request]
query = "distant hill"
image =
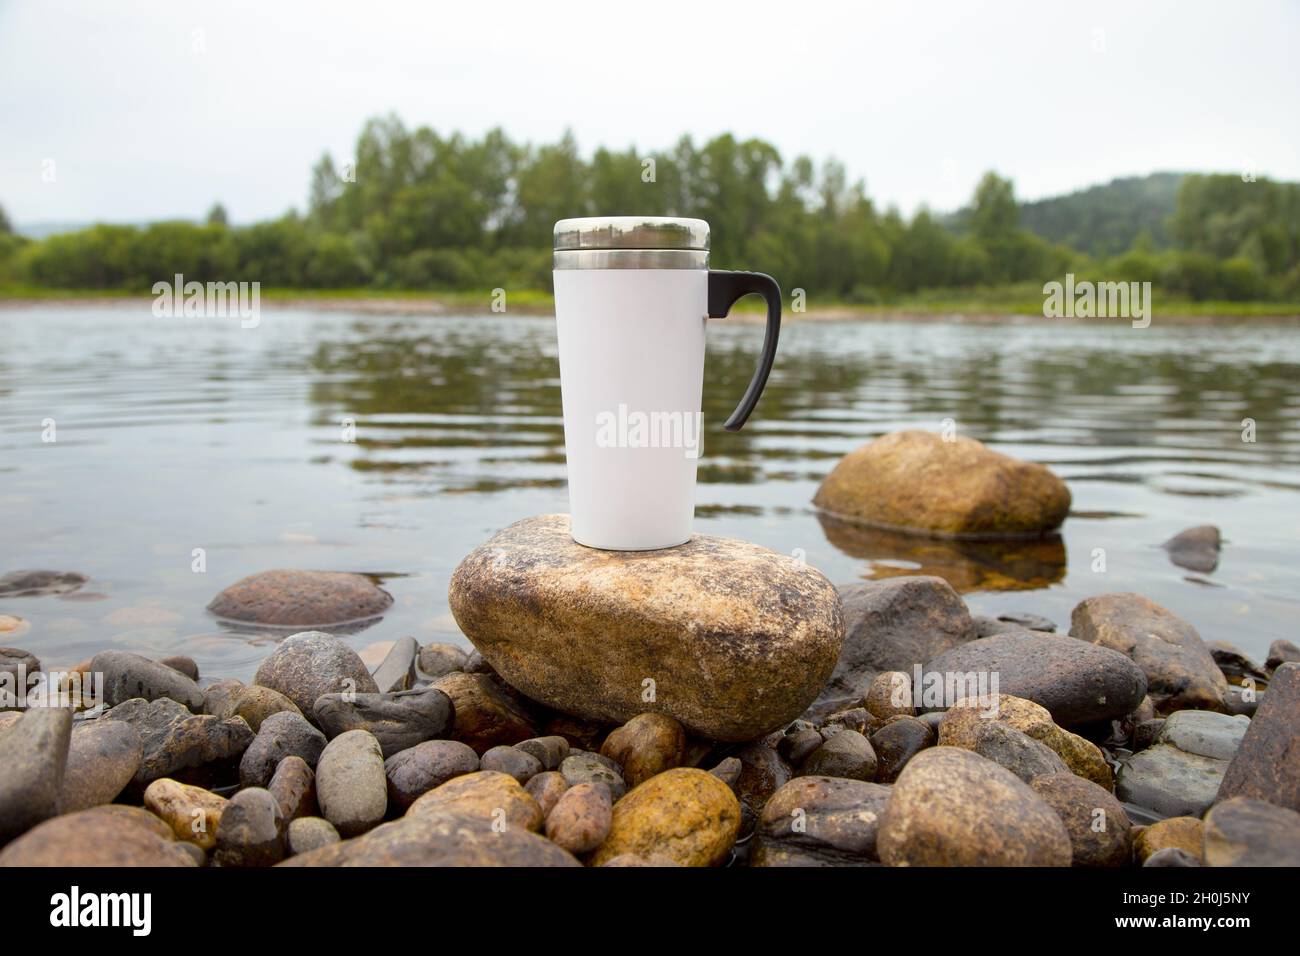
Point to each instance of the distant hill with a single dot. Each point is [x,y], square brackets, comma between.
[1105,220]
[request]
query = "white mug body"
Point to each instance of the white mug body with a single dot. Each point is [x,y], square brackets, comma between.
[631,350]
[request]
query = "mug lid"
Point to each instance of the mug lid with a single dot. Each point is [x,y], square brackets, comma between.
[631,232]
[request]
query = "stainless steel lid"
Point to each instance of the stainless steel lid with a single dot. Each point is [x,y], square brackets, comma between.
[631,232]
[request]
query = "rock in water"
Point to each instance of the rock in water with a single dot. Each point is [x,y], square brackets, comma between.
[309,665]
[917,480]
[1247,832]
[399,720]
[1279,652]
[1266,764]
[951,807]
[684,814]
[734,640]
[1181,673]
[301,599]
[101,836]
[33,755]
[893,625]
[1076,682]
[446,838]
[1196,549]
[130,675]
[39,583]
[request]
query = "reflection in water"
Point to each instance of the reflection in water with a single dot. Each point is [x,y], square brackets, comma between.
[200,434]
[1016,564]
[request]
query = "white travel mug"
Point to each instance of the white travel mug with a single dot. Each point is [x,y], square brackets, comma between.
[632,295]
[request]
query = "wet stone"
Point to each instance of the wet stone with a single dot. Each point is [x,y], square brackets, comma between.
[398,720]
[283,734]
[415,771]
[512,761]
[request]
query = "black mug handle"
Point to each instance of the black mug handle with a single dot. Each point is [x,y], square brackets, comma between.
[725,288]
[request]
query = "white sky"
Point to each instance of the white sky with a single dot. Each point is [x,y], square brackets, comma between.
[919,99]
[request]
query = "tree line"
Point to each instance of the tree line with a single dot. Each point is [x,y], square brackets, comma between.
[419,211]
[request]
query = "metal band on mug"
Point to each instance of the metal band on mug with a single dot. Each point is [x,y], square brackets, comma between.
[631,259]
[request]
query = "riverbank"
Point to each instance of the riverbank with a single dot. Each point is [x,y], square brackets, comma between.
[995,305]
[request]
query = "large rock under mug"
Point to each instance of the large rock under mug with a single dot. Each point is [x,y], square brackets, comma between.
[919,481]
[732,639]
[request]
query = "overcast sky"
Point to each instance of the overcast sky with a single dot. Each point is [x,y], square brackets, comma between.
[157,109]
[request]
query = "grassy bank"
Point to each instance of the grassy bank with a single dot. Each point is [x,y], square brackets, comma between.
[1015,300]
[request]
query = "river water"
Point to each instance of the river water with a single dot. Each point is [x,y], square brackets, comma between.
[176,434]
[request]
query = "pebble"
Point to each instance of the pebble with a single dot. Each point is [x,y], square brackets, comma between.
[549,751]
[250,832]
[547,788]
[183,664]
[127,676]
[255,704]
[310,833]
[1182,833]
[646,745]
[486,796]
[1242,831]
[294,788]
[821,821]
[762,773]
[103,757]
[397,670]
[898,742]
[1015,751]
[512,761]
[890,695]
[1281,652]
[417,770]
[438,660]
[398,720]
[728,771]
[685,814]
[350,784]
[952,807]
[796,747]
[846,754]
[587,767]
[1100,831]
[891,625]
[446,838]
[485,717]
[581,819]
[282,734]
[1180,671]
[192,813]
[1170,781]
[1266,764]
[310,664]
[1172,856]
[1034,622]
[1204,732]
[33,755]
[177,742]
[107,836]
[1077,682]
